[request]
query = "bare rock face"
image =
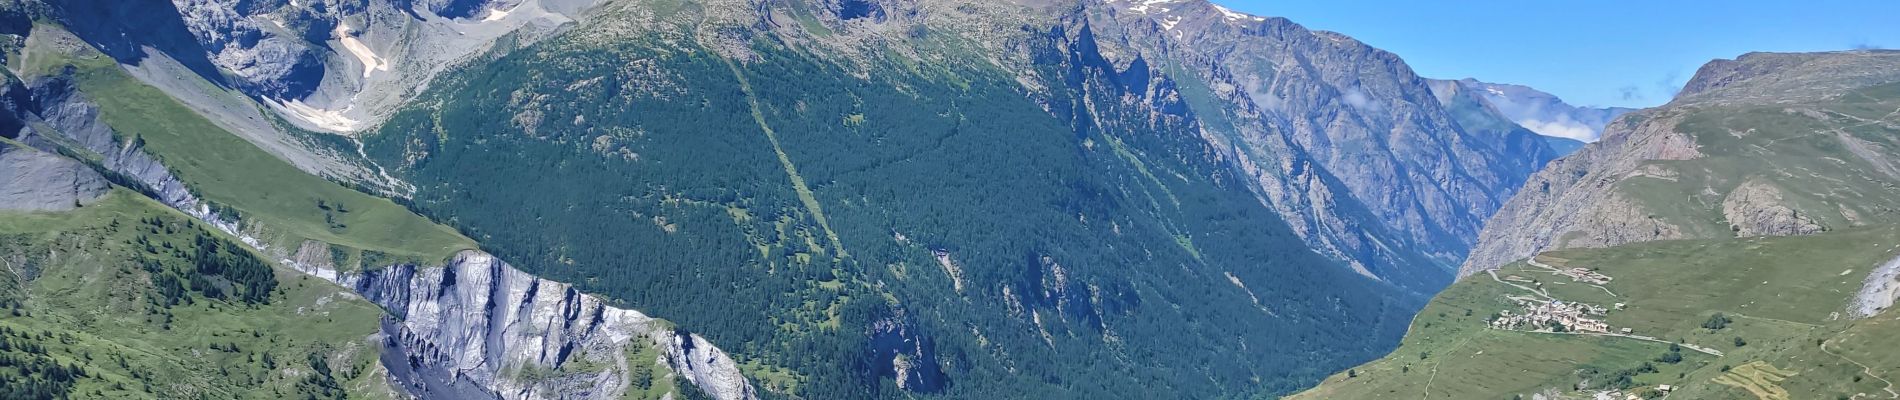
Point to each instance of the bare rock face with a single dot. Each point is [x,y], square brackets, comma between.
[32,180]
[907,356]
[261,59]
[1878,292]
[1730,146]
[488,322]
[74,119]
[1344,140]
[1757,209]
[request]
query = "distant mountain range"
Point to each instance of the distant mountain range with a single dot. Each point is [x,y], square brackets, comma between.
[1541,112]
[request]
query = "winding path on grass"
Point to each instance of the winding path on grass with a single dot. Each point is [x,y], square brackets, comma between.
[1494,276]
[1864,370]
[1554,270]
[1700,349]
[1441,361]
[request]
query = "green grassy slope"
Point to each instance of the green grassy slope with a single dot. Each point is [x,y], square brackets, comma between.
[1829,159]
[78,290]
[276,199]
[1784,297]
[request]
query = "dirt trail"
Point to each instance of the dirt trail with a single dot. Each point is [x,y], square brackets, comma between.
[1554,270]
[1539,293]
[1864,370]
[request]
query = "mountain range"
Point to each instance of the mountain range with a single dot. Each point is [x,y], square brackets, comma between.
[740,199]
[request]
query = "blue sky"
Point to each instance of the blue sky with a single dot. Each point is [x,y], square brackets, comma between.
[1604,53]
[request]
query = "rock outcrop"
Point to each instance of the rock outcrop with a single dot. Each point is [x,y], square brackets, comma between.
[32,180]
[1878,292]
[338,66]
[484,321]
[1757,208]
[76,126]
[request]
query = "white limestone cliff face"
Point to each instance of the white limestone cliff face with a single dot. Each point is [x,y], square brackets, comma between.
[1879,291]
[487,321]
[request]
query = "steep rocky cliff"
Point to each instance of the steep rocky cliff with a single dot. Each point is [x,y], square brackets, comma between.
[480,320]
[327,65]
[1344,140]
[1767,144]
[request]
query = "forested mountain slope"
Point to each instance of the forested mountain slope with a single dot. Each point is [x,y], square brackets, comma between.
[928,229]
[1341,139]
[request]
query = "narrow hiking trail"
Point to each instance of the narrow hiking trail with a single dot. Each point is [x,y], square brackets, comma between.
[1864,370]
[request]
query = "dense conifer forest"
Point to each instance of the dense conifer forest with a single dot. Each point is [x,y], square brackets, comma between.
[1029,252]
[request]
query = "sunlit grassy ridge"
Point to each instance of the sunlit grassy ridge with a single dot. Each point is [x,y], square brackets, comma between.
[1785,296]
[76,289]
[276,199]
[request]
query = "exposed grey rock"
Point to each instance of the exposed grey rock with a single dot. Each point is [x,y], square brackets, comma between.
[1757,208]
[265,57]
[75,120]
[1342,139]
[1878,292]
[1787,77]
[906,356]
[32,180]
[488,322]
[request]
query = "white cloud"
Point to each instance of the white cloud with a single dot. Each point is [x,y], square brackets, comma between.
[1563,128]
[1357,99]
